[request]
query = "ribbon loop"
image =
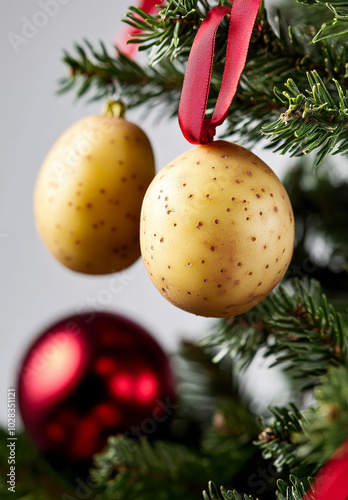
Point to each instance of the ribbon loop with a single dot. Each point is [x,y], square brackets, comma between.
[195,91]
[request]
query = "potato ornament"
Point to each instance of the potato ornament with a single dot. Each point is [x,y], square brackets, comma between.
[217,230]
[89,192]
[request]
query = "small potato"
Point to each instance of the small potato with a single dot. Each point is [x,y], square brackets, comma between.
[217,230]
[89,192]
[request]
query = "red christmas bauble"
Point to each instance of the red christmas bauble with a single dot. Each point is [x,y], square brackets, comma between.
[331,482]
[90,376]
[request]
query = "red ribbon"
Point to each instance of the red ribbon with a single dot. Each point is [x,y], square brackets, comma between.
[194,96]
[195,91]
[148,6]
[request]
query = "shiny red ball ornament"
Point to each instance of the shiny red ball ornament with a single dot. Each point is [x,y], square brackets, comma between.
[90,376]
[331,482]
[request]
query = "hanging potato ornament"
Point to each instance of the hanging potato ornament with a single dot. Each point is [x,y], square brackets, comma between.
[89,192]
[217,230]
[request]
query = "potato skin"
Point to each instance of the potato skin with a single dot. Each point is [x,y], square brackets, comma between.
[217,230]
[89,192]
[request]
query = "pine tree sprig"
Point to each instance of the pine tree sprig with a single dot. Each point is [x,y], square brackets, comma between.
[301,442]
[223,494]
[294,490]
[338,26]
[316,119]
[94,69]
[297,329]
[141,471]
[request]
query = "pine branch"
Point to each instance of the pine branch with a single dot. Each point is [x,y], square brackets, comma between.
[143,471]
[318,120]
[338,26]
[274,57]
[95,69]
[302,443]
[214,494]
[294,491]
[277,441]
[171,34]
[298,330]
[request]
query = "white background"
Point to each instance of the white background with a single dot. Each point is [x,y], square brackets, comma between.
[35,289]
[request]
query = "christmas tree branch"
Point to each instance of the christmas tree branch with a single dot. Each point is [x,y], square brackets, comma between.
[274,56]
[298,330]
[338,25]
[293,491]
[302,443]
[95,68]
[316,119]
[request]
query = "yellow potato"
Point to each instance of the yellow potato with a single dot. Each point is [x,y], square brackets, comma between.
[89,192]
[217,230]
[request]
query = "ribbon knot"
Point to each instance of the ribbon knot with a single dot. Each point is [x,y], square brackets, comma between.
[208,132]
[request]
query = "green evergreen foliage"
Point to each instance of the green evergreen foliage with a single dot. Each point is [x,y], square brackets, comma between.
[277,57]
[338,25]
[298,330]
[219,433]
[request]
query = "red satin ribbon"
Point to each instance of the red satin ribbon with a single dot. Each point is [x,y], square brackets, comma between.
[149,6]
[194,96]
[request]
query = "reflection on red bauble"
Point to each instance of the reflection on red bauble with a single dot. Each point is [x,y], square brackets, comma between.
[331,482]
[88,377]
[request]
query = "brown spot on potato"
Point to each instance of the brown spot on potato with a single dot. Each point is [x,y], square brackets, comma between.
[257,195]
[212,249]
[275,209]
[253,238]
[199,225]
[236,282]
